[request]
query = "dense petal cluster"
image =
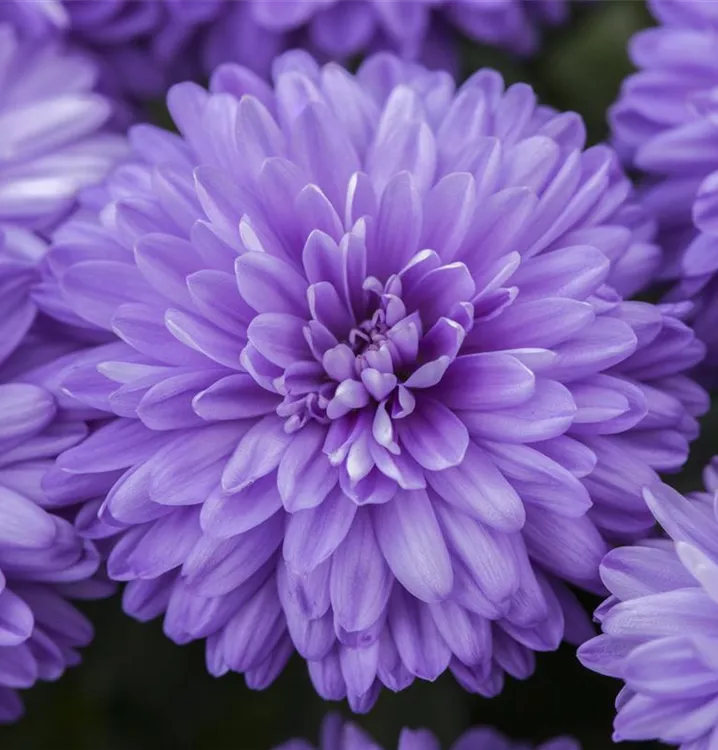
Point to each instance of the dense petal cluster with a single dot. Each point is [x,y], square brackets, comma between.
[43,560]
[666,124]
[337,734]
[145,45]
[52,142]
[660,624]
[377,390]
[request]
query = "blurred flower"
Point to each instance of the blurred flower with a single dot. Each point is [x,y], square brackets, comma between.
[52,142]
[660,624]
[378,392]
[339,735]
[665,123]
[146,45]
[43,560]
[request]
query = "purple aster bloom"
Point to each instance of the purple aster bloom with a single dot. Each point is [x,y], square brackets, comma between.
[52,144]
[339,735]
[666,124]
[44,562]
[660,624]
[52,141]
[378,393]
[145,45]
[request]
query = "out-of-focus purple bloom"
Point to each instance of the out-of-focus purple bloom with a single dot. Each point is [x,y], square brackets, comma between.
[52,145]
[337,734]
[43,560]
[145,45]
[660,624]
[52,142]
[378,391]
[666,124]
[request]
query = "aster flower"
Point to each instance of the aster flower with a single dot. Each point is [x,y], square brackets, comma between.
[43,560]
[145,45]
[52,142]
[339,735]
[660,624]
[424,29]
[52,145]
[665,123]
[377,392]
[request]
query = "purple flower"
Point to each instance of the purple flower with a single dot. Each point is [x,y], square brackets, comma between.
[51,139]
[44,562]
[339,735]
[660,624]
[666,124]
[377,391]
[145,45]
[52,145]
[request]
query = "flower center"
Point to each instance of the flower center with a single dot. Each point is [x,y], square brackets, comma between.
[363,366]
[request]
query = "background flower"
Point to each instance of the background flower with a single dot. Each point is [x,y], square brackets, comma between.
[378,392]
[52,141]
[43,560]
[143,46]
[660,624]
[665,123]
[339,735]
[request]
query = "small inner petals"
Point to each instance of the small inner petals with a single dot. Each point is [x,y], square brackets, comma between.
[378,362]
[339,362]
[378,384]
[349,395]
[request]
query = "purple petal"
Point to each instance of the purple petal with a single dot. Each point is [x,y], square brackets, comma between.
[257,454]
[495,380]
[269,285]
[305,476]
[279,337]
[361,581]
[312,535]
[234,397]
[480,490]
[434,436]
[410,538]
[223,516]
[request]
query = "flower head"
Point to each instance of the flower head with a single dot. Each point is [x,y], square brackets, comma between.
[660,624]
[52,142]
[52,145]
[666,124]
[145,45]
[377,391]
[44,562]
[339,735]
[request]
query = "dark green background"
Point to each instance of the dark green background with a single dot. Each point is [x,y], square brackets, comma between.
[137,690]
